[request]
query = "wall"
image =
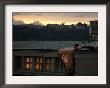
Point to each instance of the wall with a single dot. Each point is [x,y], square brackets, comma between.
[86,61]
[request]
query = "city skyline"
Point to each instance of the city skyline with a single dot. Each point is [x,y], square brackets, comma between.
[44,18]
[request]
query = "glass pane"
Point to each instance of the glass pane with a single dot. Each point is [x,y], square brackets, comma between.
[58,61]
[37,60]
[40,67]
[47,60]
[17,63]
[47,67]
[58,69]
[30,59]
[27,59]
[37,66]
[27,66]
[40,60]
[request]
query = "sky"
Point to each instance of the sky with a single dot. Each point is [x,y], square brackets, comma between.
[45,18]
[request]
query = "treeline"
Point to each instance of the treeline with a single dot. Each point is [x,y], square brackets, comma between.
[34,33]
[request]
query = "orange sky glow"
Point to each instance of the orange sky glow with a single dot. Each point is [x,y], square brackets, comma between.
[55,18]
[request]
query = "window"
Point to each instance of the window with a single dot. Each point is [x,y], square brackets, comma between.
[48,64]
[17,63]
[28,63]
[59,65]
[38,64]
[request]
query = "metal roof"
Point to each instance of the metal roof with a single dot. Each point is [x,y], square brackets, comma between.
[53,45]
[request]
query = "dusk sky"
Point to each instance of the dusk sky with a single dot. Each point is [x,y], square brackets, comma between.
[54,17]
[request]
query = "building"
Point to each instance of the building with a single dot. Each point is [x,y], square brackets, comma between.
[94,30]
[41,58]
[80,26]
[94,35]
[53,26]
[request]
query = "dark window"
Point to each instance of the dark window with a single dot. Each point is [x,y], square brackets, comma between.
[17,62]
[59,65]
[48,64]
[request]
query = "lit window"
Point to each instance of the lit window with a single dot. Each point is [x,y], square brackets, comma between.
[40,60]
[47,67]
[28,63]
[28,66]
[27,59]
[39,64]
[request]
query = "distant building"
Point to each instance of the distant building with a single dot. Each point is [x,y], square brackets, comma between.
[94,35]
[53,26]
[94,24]
[81,26]
[94,30]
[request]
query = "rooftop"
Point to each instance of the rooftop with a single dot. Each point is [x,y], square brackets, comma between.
[53,45]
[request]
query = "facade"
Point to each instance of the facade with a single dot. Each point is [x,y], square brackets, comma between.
[94,35]
[30,60]
[94,30]
[35,62]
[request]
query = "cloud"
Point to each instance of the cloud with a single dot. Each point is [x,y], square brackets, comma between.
[53,17]
[17,22]
[27,13]
[81,14]
[65,14]
[37,23]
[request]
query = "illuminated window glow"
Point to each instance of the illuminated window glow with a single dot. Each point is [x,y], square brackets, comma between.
[28,63]
[39,64]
